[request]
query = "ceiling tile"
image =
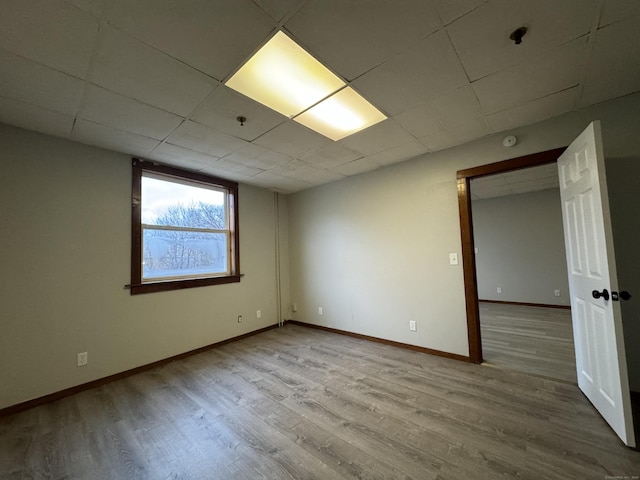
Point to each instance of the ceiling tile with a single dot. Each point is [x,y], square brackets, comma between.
[221,109]
[480,194]
[259,157]
[399,153]
[279,9]
[352,38]
[418,74]
[113,110]
[532,185]
[449,11]
[14,112]
[440,136]
[31,82]
[270,180]
[616,55]
[182,157]
[292,139]
[356,167]
[481,37]
[377,138]
[489,181]
[556,70]
[616,10]
[116,140]
[503,89]
[437,137]
[125,65]
[549,171]
[94,7]
[456,111]
[534,111]
[331,155]
[213,36]
[307,173]
[231,171]
[52,32]
[202,139]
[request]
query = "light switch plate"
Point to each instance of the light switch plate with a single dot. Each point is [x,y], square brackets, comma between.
[453,259]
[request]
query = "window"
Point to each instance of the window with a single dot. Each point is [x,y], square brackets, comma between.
[184,229]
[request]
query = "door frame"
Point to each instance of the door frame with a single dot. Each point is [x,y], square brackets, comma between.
[464,178]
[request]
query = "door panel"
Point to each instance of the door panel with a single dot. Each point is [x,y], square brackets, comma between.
[597,323]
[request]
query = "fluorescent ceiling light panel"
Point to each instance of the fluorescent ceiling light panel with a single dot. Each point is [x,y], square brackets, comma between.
[341,115]
[284,77]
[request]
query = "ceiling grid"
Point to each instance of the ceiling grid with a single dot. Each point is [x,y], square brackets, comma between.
[144,78]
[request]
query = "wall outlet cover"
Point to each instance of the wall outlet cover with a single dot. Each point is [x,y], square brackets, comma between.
[412,325]
[83,359]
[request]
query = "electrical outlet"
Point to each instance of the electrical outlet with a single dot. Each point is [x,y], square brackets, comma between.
[499,289]
[556,293]
[239,318]
[453,259]
[412,325]
[258,314]
[294,307]
[83,359]
[320,311]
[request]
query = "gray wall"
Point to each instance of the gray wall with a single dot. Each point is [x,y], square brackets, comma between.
[65,234]
[373,250]
[520,242]
[623,179]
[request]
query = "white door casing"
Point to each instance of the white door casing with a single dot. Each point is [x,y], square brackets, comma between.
[597,323]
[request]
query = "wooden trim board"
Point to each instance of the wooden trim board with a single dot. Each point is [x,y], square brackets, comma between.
[406,346]
[52,397]
[524,304]
[464,178]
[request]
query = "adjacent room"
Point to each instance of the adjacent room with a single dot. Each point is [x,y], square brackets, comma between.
[522,272]
[210,270]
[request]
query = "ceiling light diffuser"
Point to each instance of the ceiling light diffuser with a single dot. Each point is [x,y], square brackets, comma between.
[341,115]
[284,77]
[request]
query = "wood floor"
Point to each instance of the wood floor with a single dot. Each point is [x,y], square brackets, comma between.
[297,403]
[537,340]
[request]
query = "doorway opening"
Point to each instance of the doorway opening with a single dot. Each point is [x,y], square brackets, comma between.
[464,178]
[523,290]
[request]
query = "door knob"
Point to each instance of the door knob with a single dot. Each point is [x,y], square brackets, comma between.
[604,294]
[624,295]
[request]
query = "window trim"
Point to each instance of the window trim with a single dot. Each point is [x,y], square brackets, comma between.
[137,286]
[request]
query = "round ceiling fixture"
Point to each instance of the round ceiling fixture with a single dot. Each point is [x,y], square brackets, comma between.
[241,120]
[509,141]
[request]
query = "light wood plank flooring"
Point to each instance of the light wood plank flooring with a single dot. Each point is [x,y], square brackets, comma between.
[537,340]
[298,403]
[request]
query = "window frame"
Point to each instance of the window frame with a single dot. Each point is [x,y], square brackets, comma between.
[137,286]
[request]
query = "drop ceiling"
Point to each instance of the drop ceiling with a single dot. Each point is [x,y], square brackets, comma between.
[146,78]
[527,180]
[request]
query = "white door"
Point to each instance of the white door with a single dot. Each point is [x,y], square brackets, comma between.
[597,322]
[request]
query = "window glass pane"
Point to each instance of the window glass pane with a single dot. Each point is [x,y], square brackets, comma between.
[167,253]
[179,205]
